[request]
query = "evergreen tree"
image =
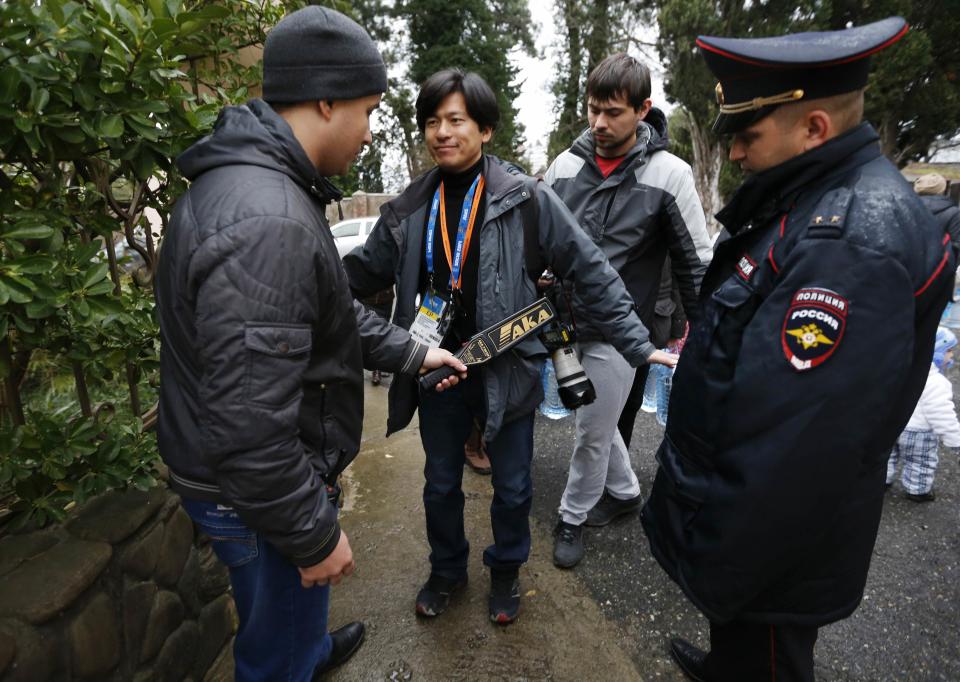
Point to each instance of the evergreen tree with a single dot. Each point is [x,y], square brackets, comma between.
[568,88]
[691,85]
[913,98]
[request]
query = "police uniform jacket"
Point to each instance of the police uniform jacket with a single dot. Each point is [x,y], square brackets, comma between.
[819,315]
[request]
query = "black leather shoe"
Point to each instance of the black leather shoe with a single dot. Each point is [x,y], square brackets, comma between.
[346,641]
[689,658]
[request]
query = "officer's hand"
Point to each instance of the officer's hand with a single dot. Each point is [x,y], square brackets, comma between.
[661,358]
[333,569]
[438,357]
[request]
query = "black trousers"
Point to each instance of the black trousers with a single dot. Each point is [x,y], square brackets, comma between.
[753,652]
[628,416]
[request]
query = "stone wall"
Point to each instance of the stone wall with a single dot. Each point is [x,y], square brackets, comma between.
[360,205]
[125,590]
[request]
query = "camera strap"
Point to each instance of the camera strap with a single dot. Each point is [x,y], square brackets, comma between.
[530,218]
[532,255]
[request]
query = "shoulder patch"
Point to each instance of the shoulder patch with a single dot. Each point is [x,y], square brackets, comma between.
[813,327]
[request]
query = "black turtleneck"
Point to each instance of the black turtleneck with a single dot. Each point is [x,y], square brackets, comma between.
[455,188]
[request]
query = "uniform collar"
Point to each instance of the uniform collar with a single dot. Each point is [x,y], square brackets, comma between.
[770,193]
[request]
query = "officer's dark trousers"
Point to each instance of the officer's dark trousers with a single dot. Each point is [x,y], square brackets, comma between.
[751,652]
[446,420]
[628,416]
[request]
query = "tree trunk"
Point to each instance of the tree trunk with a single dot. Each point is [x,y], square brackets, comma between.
[598,42]
[570,119]
[888,138]
[708,153]
[11,385]
[83,395]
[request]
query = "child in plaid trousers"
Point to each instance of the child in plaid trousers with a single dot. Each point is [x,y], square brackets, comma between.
[934,419]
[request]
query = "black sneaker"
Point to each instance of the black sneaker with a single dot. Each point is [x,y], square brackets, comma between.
[504,601]
[567,545]
[609,508]
[921,497]
[434,596]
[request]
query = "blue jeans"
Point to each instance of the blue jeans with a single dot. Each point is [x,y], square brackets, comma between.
[283,627]
[445,423]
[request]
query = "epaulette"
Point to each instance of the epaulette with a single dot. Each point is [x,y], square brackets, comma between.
[830,215]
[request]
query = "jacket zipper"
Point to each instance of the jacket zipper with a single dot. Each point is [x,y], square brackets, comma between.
[496,284]
[606,215]
[323,417]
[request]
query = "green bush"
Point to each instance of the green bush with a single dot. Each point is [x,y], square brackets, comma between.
[97,98]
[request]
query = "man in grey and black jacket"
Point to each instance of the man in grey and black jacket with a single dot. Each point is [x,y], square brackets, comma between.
[637,202]
[457,113]
[263,347]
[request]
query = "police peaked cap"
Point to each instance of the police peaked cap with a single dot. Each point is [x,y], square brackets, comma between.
[758,74]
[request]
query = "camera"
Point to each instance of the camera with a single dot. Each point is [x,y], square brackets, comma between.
[573,384]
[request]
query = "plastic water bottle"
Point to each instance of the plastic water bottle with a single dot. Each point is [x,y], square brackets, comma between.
[551,407]
[664,384]
[650,391]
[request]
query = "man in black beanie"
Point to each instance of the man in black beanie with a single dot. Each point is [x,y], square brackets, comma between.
[263,347]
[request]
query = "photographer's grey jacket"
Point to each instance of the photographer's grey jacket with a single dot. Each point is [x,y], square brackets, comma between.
[261,393]
[393,253]
[647,207]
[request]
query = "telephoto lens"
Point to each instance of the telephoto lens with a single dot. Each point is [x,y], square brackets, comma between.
[574,385]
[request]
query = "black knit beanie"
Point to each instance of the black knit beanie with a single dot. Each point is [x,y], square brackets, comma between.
[317,53]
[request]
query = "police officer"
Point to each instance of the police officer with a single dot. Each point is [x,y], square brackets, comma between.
[818,323]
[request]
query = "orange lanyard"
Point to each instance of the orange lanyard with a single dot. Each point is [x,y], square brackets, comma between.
[469,232]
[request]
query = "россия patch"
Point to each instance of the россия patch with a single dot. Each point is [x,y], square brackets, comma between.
[813,327]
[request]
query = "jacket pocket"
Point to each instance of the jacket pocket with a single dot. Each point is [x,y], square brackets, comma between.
[231,540]
[731,308]
[736,303]
[277,356]
[687,480]
[525,390]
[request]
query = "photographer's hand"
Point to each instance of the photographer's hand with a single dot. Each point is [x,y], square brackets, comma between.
[658,357]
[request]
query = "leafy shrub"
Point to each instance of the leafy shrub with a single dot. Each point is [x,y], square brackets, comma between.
[97,97]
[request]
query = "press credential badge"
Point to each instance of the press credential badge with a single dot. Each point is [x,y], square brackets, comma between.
[426,327]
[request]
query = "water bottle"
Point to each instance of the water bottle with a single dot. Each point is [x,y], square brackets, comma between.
[551,407]
[650,391]
[664,379]
[664,384]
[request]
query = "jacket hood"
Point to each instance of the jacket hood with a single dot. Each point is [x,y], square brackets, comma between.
[253,134]
[652,137]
